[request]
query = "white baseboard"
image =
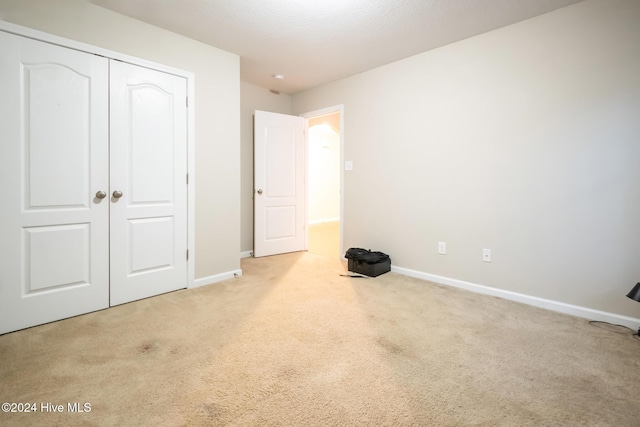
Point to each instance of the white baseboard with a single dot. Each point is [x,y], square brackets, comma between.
[216,278]
[561,307]
[246,254]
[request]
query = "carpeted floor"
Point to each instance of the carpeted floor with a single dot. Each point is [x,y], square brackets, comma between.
[292,343]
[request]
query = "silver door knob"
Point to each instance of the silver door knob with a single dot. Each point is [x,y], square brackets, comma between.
[259,191]
[117,194]
[101,195]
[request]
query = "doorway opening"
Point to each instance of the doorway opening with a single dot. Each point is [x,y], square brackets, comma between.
[324,182]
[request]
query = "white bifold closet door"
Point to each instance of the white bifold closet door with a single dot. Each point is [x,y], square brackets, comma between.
[149,168]
[87,220]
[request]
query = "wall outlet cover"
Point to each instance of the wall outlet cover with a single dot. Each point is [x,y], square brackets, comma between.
[442,248]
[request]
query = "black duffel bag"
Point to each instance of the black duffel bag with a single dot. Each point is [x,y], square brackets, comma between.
[370,263]
[359,254]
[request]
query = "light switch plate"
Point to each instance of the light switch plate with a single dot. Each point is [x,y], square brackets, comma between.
[348,165]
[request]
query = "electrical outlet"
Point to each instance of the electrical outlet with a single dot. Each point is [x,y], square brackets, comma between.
[486,255]
[442,248]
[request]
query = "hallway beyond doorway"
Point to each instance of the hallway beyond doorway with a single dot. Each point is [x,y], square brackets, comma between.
[324,239]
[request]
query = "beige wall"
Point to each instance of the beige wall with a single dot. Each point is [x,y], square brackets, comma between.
[217,93]
[253,98]
[524,140]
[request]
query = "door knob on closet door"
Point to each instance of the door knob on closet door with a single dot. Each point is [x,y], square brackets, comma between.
[101,195]
[117,194]
[259,191]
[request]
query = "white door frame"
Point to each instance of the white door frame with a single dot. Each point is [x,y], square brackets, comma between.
[61,41]
[322,112]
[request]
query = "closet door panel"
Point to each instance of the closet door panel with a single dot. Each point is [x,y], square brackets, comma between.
[148,182]
[54,247]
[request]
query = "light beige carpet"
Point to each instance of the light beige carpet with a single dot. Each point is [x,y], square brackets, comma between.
[292,343]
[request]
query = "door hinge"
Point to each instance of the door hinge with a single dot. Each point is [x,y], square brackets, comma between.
[187,179]
[187,254]
[187,101]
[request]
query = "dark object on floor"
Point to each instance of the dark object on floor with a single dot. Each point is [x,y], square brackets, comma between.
[634,294]
[366,262]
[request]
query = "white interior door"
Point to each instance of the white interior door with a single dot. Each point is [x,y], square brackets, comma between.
[54,144]
[148,182]
[279,188]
